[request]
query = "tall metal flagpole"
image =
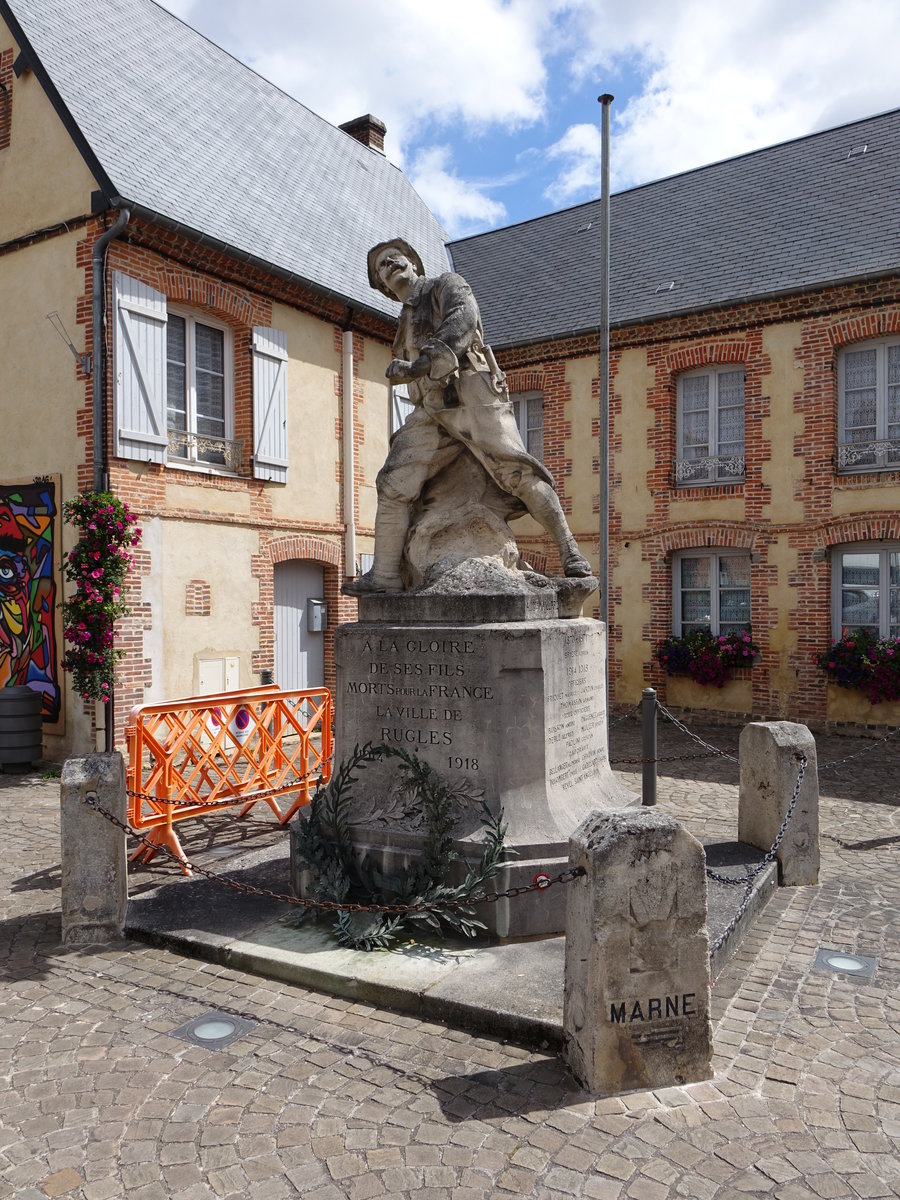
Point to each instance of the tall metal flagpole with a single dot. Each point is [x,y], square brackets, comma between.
[605,101]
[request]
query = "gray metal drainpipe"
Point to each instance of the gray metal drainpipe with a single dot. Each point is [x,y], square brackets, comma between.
[97,280]
[99,375]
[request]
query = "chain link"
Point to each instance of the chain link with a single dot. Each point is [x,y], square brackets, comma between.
[684,729]
[838,762]
[750,877]
[540,883]
[662,758]
[289,785]
[625,715]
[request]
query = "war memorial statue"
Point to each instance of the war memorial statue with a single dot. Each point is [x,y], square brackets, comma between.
[461,404]
[462,655]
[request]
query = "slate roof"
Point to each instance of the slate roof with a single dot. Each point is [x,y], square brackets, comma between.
[178,127]
[789,218]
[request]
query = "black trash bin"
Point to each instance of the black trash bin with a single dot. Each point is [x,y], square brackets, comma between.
[21,741]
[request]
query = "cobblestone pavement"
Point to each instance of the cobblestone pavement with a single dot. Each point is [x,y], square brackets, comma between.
[327,1099]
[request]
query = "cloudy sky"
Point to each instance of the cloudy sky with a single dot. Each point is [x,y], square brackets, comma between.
[491,105]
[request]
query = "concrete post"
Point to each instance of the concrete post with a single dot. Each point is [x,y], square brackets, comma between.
[770,753]
[648,747]
[637,984]
[94,863]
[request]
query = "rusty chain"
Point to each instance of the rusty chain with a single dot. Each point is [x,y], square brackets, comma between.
[661,758]
[838,762]
[540,883]
[750,877]
[694,737]
[290,785]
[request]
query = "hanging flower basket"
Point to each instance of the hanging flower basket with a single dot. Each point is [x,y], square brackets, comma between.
[98,567]
[706,657]
[868,664]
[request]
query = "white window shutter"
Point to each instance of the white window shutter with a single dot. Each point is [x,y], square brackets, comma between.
[270,435]
[140,364]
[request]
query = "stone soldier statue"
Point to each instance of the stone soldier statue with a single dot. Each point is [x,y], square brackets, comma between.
[461,403]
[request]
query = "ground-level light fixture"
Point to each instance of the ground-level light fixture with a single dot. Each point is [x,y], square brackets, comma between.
[214,1030]
[845,962]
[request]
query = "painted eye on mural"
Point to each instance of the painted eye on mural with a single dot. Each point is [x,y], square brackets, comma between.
[7,572]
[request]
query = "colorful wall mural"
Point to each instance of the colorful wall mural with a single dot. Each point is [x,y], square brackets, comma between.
[29,590]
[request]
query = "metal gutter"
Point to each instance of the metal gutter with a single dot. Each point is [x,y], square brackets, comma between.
[98,279]
[348,458]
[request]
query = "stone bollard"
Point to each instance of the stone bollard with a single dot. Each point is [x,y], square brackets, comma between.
[770,754]
[94,863]
[637,985]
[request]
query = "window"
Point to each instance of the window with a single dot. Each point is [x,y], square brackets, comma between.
[174,386]
[198,390]
[866,590]
[400,406]
[529,414]
[710,426]
[869,406]
[711,591]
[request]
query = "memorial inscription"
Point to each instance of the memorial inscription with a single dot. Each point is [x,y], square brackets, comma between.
[620,1014]
[575,711]
[426,694]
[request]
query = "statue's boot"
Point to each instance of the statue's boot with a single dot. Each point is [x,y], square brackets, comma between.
[543,504]
[391,528]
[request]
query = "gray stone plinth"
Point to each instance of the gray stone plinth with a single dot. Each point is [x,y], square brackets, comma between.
[531,597]
[517,710]
[770,754]
[94,864]
[636,1003]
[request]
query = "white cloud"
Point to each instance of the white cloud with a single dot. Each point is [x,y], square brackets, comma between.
[460,206]
[479,63]
[698,80]
[721,80]
[580,150]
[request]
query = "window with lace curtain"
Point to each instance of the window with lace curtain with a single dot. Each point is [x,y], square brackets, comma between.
[869,406]
[529,413]
[710,426]
[866,590]
[711,590]
[199,389]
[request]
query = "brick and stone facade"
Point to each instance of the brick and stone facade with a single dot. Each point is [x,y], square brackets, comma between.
[791,509]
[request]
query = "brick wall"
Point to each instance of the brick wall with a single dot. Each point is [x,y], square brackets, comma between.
[211,283]
[785,682]
[6,96]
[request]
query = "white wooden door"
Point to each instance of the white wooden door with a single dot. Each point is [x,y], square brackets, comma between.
[299,654]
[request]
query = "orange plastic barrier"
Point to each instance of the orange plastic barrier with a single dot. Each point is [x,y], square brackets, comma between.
[194,756]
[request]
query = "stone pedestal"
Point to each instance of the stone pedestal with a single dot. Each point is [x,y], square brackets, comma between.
[770,757]
[94,864]
[517,708]
[636,1002]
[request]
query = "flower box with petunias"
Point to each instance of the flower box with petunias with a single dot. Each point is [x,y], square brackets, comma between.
[708,658]
[868,664]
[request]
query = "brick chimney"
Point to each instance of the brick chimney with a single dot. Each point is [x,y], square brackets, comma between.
[368,130]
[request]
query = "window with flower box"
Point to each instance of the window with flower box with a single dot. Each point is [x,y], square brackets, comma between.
[710,423]
[869,406]
[866,590]
[711,590]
